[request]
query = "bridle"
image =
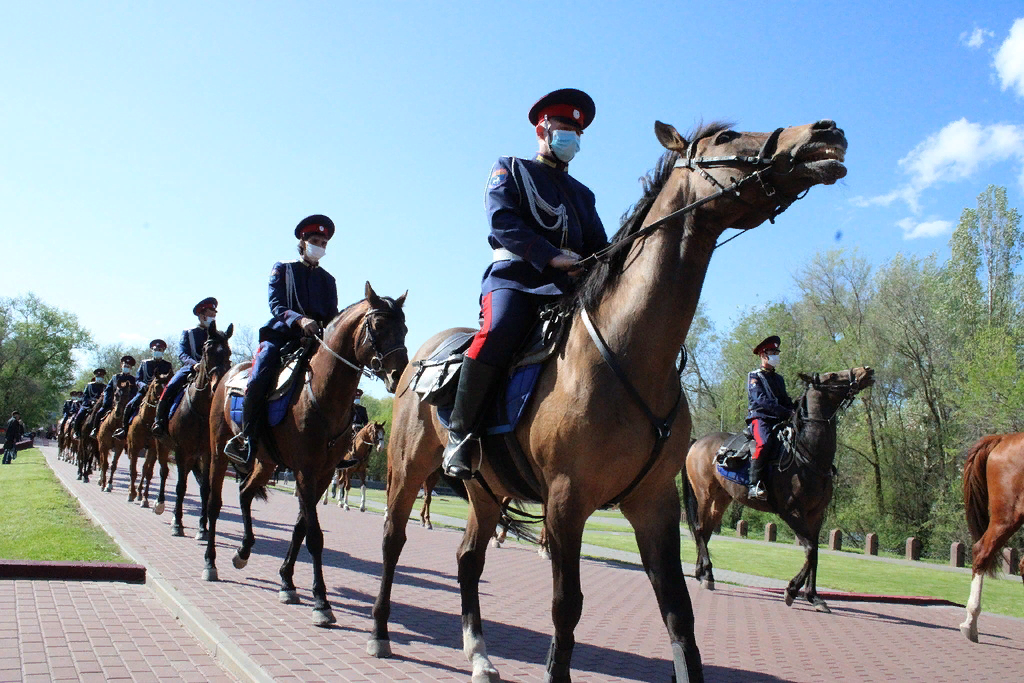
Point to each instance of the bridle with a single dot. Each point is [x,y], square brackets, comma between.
[367,334]
[762,163]
[790,434]
[851,393]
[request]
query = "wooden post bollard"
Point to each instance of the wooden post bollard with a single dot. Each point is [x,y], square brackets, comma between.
[1010,560]
[913,548]
[769,531]
[741,528]
[835,539]
[871,544]
[957,553]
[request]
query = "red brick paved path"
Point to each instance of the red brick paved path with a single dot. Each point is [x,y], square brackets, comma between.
[745,635]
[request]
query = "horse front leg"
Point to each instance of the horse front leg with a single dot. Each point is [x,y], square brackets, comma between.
[565,538]
[147,476]
[204,502]
[480,525]
[178,526]
[287,594]
[255,483]
[362,489]
[165,469]
[133,473]
[113,467]
[309,494]
[656,526]
[217,471]
[812,580]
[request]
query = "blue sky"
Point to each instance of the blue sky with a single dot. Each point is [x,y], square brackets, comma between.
[154,153]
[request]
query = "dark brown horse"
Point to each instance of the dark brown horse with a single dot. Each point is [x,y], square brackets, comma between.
[140,438]
[364,443]
[994,503]
[799,489]
[85,441]
[596,431]
[189,428]
[314,435]
[105,440]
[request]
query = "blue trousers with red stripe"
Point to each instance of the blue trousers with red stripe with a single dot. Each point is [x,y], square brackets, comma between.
[762,432]
[508,316]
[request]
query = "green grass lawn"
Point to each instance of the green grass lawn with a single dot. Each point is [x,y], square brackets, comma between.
[846,572]
[39,520]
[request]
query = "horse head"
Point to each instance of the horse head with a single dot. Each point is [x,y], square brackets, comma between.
[756,176]
[156,386]
[216,354]
[827,393]
[382,343]
[378,433]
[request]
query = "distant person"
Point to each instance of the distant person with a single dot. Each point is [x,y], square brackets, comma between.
[360,418]
[14,430]
[148,369]
[127,363]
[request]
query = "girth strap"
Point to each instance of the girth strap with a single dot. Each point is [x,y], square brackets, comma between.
[662,428]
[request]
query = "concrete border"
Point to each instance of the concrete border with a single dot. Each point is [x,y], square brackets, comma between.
[70,571]
[224,651]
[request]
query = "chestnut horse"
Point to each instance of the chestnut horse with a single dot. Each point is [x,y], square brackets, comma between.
[85,442]
[364,442]
[799,491]
[188,430]
[994,503]
[140,438]
[590,435]
[105,440]
[314,435]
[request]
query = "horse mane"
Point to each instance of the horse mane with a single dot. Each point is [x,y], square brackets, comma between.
[607,271]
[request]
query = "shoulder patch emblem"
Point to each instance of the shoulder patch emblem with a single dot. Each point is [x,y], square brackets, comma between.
[497,177]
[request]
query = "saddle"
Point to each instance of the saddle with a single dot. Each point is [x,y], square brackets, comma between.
[290,376]
[734,454]
[436,377]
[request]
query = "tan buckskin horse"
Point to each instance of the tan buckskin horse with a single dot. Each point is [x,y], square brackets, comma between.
[799,491]
[314,435]
[105,440]
[189,427]
[994,504]
[364,443]
[594,428]
[140,437]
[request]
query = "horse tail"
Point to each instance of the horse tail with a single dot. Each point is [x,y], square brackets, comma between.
[976,486]
[512,518]
[690,503]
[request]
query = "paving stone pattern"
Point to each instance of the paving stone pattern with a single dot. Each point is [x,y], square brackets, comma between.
[745,634]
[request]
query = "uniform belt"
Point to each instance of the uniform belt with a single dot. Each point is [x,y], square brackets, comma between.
[501,254]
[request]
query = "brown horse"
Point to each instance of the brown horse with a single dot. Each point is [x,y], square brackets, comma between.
[593,433]
[189,428]
[799,491]
[364,442]
[85,442]
[314,434]
[994,503]
[105,440]
[140,437]
[428,491]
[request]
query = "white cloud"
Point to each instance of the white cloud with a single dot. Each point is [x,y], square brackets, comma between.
[913,230]
[1009,59]
[956,152]
[975,38]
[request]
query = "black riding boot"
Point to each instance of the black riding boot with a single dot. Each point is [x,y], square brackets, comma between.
[475,382]
[756,490]
[240,448]
[163,408]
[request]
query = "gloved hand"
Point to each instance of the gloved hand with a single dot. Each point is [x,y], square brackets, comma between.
[310,328]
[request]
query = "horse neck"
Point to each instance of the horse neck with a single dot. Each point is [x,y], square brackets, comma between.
[819,438]
[646,315]
[333,382]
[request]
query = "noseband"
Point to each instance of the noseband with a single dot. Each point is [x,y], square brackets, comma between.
[377,362]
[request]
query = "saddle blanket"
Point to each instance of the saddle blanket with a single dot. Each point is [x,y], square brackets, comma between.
[277,408]
[504,414]
[740,475]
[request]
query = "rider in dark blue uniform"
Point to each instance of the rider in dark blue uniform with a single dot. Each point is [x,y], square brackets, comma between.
[127,363]
[190,352]
[90,394]
[150,368]
[303,299]
[542,221]
[769,404]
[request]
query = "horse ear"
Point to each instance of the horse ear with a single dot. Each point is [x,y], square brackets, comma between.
[669,137]
[400,301]
[805,378]
[230,331]
[213,328]
[371,296]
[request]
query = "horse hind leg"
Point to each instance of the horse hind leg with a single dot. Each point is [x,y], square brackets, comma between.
[986,554]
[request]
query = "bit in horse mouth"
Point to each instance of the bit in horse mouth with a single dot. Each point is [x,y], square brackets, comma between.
[828,153]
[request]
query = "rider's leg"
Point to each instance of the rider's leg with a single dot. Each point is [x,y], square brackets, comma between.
[761,432]
[507,316]
[129,413]
[240,448]
[171,391]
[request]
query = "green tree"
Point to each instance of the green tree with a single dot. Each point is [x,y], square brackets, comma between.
[379,410]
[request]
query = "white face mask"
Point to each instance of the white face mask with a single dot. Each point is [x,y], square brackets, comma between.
[126,369]
[158,354]
[314,253]
[205,321]
[773,360]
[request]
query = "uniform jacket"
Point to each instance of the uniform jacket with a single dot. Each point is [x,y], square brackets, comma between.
[108,393]
[359,416]
[150,368]
[93,390]
[514,225]
[14,430]
[298,290]
[190,346]
[69,406]
[767,395]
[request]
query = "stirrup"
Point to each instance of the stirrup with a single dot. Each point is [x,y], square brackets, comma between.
[158,428]
[119,433]
[757,492]
[237,450]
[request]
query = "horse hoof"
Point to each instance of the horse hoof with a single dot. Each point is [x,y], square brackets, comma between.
[323,617]
[820,606]
[709,584]
[430,527]
[210,574]
[202,535]
[970,634]
[381,649]
[131,497]
[544,554]
[362,509]
[145,504]
[495,543]
[158,509]
[110,487]
[289,597]
[347,508]
[789,599]
[238,561]
[177,530]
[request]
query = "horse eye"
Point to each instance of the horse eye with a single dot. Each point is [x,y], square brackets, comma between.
[726,136]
